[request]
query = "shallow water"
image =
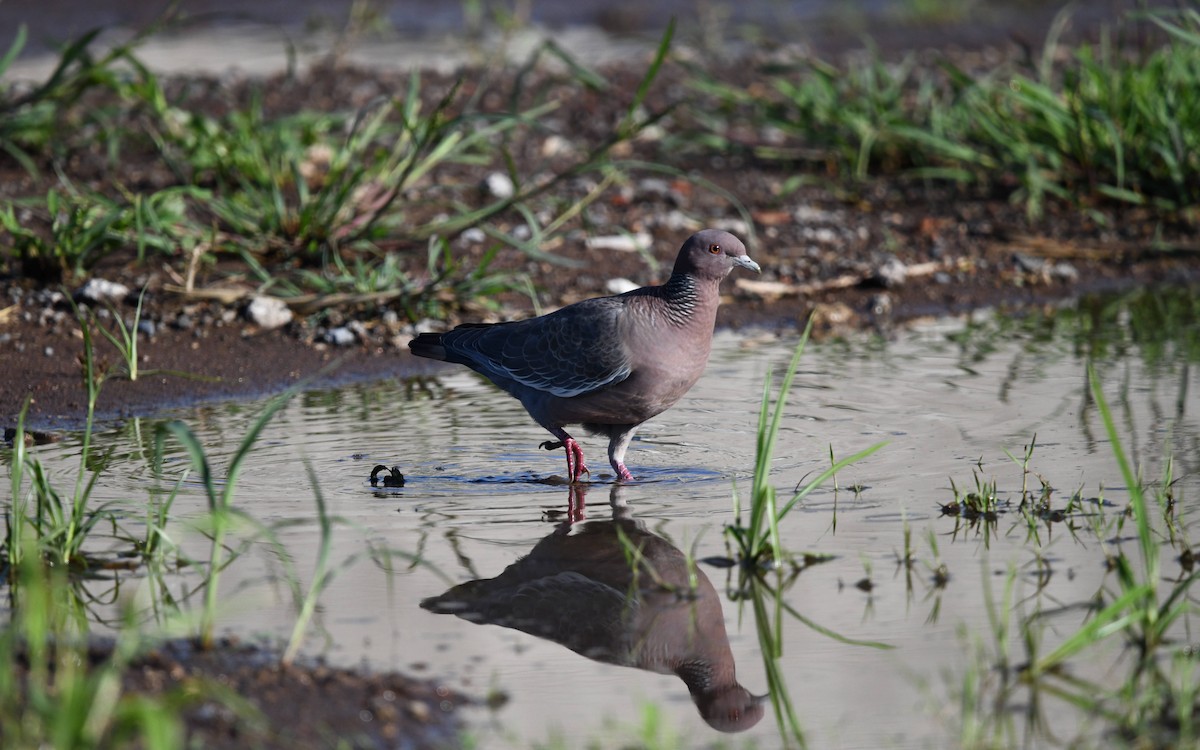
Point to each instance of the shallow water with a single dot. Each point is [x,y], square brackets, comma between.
[949,397]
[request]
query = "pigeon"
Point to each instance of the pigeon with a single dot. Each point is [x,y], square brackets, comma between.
[615,592]
[609,363]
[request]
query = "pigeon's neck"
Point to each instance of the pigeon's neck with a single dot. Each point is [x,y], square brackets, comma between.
[698,676]
[704,677]
[688,298]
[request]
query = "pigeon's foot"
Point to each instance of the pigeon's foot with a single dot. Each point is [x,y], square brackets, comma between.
[623,474]
[575,465]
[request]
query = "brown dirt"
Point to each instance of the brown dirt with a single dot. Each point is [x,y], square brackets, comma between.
[237,695]
[822,245]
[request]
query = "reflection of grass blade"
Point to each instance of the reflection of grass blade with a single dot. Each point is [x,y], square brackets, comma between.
[1114,618]
[770,641]
[1153,697]
[828,633]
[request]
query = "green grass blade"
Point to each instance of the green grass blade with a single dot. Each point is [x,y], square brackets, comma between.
[1137,497]
[320,574]
[14,49]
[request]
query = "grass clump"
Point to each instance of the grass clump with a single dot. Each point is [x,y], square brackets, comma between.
[59,685]
[1147,696]
[758,542]
[981,503]
[1143,609]
[338,206]
[760,551]
[1103,121]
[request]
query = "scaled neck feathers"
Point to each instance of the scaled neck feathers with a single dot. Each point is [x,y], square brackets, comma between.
[685,296]
[697,675]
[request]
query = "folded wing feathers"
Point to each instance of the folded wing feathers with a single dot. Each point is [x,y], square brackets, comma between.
[568,353]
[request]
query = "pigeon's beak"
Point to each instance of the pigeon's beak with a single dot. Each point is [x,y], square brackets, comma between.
[745,262]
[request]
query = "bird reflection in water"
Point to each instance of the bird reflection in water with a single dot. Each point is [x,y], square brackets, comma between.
[616,593]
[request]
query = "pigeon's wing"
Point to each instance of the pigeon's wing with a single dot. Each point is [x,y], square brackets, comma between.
[570,352]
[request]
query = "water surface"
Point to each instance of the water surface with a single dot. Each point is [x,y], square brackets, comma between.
[950,397]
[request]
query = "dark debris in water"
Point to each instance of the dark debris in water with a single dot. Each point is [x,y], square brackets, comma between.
[1187,559]
[967,511]
[393,478]
[32,437]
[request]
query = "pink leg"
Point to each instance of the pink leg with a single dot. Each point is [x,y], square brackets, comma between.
[623,474]
[617,445]
[575,450]
[575,465]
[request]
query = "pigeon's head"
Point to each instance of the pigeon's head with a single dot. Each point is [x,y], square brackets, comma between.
[712,254]
[730,708]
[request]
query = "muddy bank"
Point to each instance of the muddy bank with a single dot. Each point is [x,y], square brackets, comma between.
[238,695]
[192,352]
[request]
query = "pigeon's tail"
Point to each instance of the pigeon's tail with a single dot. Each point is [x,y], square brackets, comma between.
[428,345]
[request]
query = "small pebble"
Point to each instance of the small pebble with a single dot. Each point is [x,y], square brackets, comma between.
[820,235]
[1064,272]
[880,306]
[626,243]
[499,185]
[419,711]
[268,312]
[813,215]
[678,221]
[472,236]
[736,226]
[619,286]
[49,351]
[556,145]
[1029,264]
[147,328]
[654,186]
[340,336]
[891,273]
[102,290]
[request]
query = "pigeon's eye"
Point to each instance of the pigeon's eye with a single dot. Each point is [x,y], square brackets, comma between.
[714,249]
